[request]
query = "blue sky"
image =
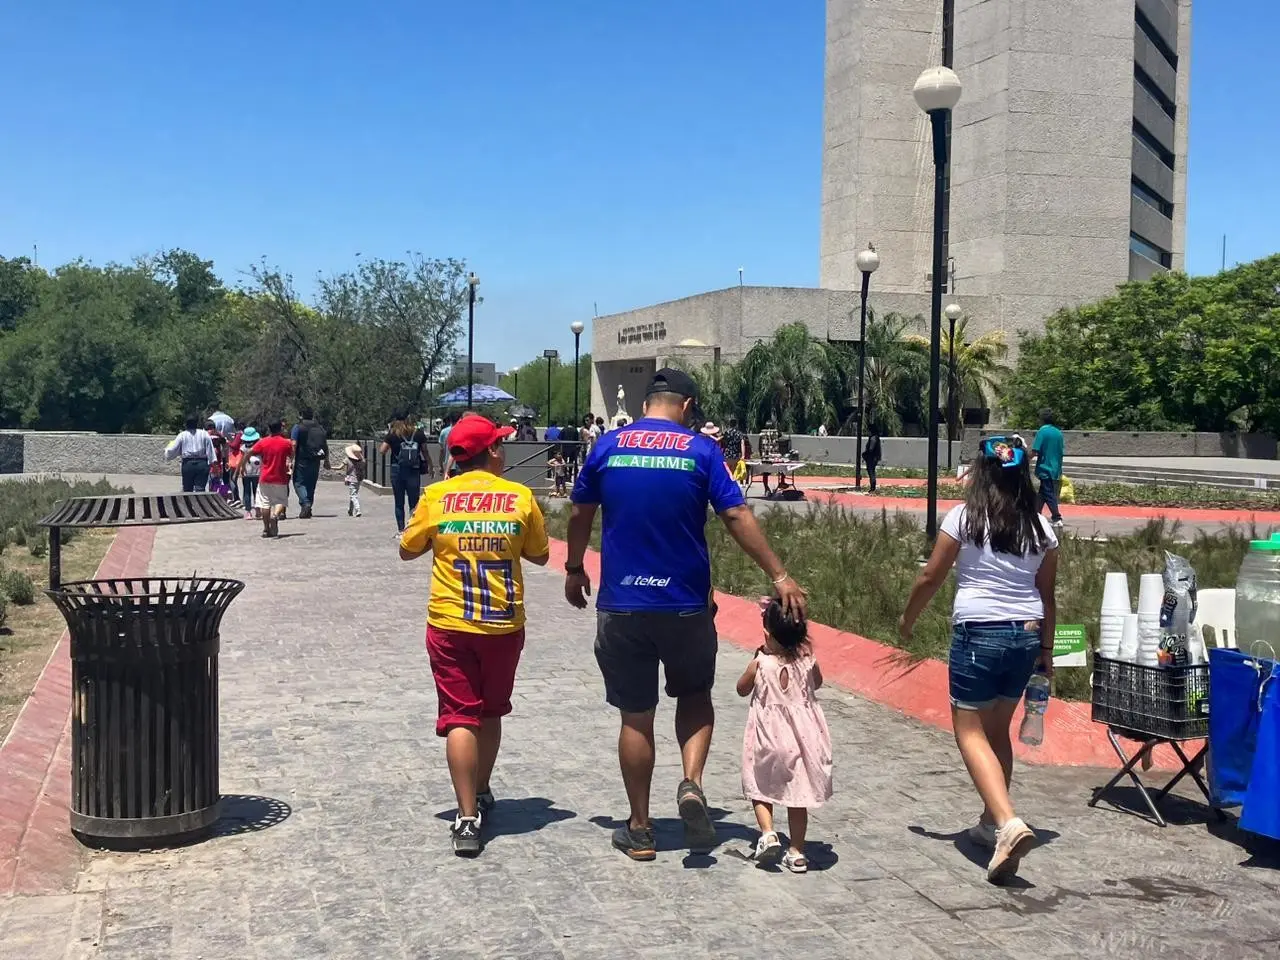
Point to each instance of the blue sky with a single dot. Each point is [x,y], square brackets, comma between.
[575,152]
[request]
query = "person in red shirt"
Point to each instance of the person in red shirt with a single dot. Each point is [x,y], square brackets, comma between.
[276,450]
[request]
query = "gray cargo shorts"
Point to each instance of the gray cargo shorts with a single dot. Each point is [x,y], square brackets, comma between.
[629,647]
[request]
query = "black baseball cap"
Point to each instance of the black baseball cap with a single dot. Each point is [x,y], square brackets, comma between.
[670,380]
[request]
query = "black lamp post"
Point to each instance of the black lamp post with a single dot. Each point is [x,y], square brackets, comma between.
[936,92]
[868,260]
[577,327]
[550,355]
[472,282]
[953,312]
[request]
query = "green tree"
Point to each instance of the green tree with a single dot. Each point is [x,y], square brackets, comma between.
[1172,352]
[978,369]
[786,380]
[20,286]
[528,384]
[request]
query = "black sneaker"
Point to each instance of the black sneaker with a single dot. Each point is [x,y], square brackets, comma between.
[304,512]
[699,832]
[466,836]
[351,509]
[636,844]
[485,802]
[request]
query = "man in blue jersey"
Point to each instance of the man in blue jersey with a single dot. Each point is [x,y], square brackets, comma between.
[654,480]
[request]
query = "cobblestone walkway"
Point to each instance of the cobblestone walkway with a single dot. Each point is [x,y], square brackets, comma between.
[337,846]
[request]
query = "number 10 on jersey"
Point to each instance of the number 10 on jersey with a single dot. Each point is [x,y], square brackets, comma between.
[477,578]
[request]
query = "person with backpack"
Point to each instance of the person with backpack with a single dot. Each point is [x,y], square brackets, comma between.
[406,443]
[311,446]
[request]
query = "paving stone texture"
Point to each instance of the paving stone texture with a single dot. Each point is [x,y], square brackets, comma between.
[335,844]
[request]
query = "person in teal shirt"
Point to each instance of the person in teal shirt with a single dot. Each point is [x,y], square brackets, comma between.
[1048,447]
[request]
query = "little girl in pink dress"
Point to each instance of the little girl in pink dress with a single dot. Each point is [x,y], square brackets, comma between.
[786,752]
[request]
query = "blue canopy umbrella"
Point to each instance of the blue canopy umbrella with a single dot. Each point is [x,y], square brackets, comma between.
[480,393]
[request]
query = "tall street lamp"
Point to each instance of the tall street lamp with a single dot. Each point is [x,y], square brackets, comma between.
[577,327]
[936,92]
[550,355]
[953,312]
[868,260]
[472,282]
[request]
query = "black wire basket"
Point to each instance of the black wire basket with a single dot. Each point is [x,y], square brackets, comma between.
[1171,703]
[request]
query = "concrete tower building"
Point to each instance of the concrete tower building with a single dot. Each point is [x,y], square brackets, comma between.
[1068,176]
[1068,172]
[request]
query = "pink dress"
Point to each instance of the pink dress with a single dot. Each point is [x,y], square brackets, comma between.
[786,752]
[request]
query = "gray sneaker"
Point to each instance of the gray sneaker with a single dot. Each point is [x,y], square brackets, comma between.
[983,835]
[636,844]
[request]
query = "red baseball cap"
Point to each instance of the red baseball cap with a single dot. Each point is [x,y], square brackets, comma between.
[474,434]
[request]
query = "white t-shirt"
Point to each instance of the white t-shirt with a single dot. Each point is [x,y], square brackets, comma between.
[994,586]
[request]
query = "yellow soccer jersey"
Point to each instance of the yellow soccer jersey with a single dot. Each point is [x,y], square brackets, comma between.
[477,526]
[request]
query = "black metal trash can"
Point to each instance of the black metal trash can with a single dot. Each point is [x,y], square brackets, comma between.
[144,719]
[144,674]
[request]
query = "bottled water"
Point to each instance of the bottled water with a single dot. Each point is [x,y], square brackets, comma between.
[1258,599]
[1034,703]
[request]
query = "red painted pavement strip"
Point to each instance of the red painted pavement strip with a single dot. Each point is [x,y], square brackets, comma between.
[38,854]
[881,673]
[1069,510]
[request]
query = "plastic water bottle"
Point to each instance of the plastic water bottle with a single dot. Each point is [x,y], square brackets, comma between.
[1034,703]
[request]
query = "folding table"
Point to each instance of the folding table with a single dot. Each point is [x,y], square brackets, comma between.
[1153,705]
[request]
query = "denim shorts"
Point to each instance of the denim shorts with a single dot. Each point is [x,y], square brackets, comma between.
[990,662]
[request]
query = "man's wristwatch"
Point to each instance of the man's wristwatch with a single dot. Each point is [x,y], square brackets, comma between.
[575,571]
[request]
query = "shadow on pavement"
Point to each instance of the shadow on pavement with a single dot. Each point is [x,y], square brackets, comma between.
[249,814]
[1178,810]
[1263,851]
[668,834]
[512,817]
[978,855]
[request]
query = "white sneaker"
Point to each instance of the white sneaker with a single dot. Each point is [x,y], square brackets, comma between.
[1013,842]
[983,834]
[768,848]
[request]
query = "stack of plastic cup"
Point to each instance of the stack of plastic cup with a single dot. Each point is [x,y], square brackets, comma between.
[1150,597]
[1115,607]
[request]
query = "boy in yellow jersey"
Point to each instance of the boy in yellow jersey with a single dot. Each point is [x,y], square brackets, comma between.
[479,527]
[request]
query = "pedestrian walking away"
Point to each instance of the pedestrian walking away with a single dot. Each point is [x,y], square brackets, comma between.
[446,464]
[786,750]
[250,471]
[1049,447]
[406,444]
[871,455]
[479,527]
[353,477]
[1006,560]
[275,451]
[195,448]
[653,480]
[311,449]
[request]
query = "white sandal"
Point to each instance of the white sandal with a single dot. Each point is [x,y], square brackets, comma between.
[796,862]
[768,848]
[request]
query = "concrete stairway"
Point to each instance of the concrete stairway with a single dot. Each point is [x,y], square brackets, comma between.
[1137,472]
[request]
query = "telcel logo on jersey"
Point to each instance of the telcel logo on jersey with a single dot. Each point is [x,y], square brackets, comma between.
[634,581]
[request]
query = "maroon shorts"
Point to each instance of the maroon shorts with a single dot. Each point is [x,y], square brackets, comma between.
[474,674]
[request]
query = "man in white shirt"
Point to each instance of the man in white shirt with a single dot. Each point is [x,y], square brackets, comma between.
[195,447]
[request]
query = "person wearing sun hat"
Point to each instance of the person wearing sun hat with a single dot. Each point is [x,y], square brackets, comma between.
[353,476]
[250,470]
[479,526]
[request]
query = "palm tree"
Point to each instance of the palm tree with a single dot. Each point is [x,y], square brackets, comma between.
[979,372]
[894,372]
[785,380]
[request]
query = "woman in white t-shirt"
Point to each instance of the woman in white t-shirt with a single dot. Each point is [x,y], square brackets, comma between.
[1006,560]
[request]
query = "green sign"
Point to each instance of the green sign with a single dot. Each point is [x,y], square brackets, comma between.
[1070,641]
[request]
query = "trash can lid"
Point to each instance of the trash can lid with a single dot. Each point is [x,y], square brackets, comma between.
[130,510]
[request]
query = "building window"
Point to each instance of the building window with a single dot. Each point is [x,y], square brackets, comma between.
[1153,88]
[1149,31]
[1152,143]
[1145,248]
[1141,191]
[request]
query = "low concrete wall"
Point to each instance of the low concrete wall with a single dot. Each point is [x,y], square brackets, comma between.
[1098,443]
[51,452]
[898,451]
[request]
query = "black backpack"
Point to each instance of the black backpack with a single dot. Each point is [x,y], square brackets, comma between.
[410,456]
[314,440]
